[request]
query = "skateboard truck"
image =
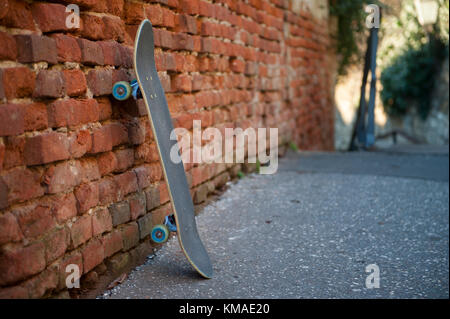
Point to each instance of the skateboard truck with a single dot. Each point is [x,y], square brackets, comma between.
[160,233]
[122,90]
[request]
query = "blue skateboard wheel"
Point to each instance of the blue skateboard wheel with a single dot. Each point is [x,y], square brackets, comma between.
[160,234]
[121,90]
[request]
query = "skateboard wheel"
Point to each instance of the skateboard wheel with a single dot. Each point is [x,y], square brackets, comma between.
[121,90]
[160,234]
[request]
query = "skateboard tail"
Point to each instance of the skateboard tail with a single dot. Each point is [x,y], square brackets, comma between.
[174,174]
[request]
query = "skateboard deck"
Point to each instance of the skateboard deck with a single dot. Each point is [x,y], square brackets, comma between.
[174,174]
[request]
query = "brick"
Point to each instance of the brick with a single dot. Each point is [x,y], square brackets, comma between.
[9,229]
[56,244]
[49,84]
[101,221]
[35,116]
[137,205]
[100,81]
[120,213]
[64,207]
[80,143]
[107,163]
[14,147]
[14,181]
[87,196]
[186,23]
[18,263]
[126,182]
[8,50]
[67,47]
[189,6]
[112,53]
[145,225]
[81,230]
[182,82]
[35,220]
[93,255]
[18,82]
[107,190]
[136,132]
[72,112]
[104,138]
[46,148]
[125,159]
[75,82]
[134,12]
[42,284]
[17,14]
[14,292]
[2,155]
[112,243]
[36,48]
[104,108]
[152,198]
[61,177]
[91,52]
[11,119]
[93,27]
[50,16]
[114,29]
[143,174]
[130,235]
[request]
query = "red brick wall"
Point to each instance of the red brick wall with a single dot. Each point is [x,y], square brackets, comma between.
[80,180]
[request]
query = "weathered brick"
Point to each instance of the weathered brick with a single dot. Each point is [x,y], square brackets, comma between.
[49,84]
[125,159]
[34,220]
[152,198]
[145,226]
[35,116]
[67,47]
[100,81]
[81,230]
[75,82]
[11,119]
[93,27]
[104,138]
[137,205]
[126,182]
[72,112]
[93,254]
[62,176]
[8,49]
[36,48]
[130,235]
[101,221]
[112,243]
[111,53]
[80,143]
[87,196]
[46,148]
[42,284]
[64,207]
[14,180]
[56,244]
[91,52]
[16,14]
[50,16]
[18,82]
[9,229]
[114,29]
[120,213]
[18,262]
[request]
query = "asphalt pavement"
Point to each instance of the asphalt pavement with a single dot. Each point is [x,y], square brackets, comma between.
[320,228]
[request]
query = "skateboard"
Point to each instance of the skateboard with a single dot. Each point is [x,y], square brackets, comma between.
[148,86]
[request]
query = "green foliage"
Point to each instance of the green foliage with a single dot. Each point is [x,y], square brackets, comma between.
[351,29]
[410,62]
[293,146]
[409,80]
[240,174]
